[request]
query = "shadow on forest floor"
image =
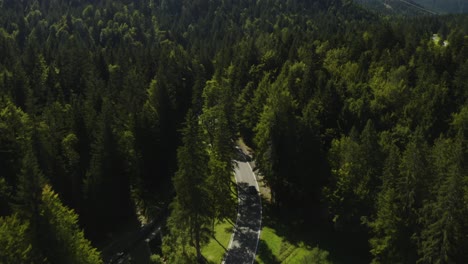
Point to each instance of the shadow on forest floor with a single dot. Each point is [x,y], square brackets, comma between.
[265,253]
[297,227]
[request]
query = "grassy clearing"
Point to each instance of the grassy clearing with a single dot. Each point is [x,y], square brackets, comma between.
[215,249]
[276,249]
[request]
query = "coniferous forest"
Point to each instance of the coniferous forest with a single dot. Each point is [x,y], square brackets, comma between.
[114,111]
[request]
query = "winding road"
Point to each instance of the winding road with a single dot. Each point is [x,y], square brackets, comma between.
[244,241]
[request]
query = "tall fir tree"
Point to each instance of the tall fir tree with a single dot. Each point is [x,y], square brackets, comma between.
[191,216]
[65,241]
[387,226]
[443,216]
[15,240]
[218,132]
[414,179]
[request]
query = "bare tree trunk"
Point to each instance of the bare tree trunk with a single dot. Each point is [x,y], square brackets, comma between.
[198,245]
[197,234]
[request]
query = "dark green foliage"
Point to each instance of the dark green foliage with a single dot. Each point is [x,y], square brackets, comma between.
[387,227]
[220,134]
[65,241]
[153,136]
[273,137]
[14,241]
[106,186]
[352,117]
[189,223]
[444,213]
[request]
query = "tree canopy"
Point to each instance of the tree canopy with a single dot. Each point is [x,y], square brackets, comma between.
[111,110]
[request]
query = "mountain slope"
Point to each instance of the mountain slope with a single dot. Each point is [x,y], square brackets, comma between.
[415,7]
[445,6]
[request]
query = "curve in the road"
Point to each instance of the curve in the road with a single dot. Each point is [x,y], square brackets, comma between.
[244,241]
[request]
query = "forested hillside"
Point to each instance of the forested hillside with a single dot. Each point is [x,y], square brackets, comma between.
[111,110]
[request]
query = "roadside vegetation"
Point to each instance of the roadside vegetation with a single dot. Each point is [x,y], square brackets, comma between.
[274,248]
[215,249]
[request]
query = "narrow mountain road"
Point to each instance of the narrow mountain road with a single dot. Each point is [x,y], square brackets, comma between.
[244,241]
[418,7]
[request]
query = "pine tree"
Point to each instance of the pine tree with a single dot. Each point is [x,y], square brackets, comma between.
[15,139]
[444,215]
[272,139]
[15,241]
[345,193]
[386,228]
[30,181]
[411,186]
[372,161]
[191,213]
[216,121]
[64,242]
[153,135]
[106,186]
[355,162]
[5,197]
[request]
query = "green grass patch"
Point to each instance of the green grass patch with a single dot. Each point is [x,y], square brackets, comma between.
[214,251]
[276,249]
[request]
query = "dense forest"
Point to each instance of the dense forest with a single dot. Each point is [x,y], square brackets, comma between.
[112,110]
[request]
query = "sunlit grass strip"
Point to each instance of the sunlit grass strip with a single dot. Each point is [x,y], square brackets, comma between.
[275,249]
[215,249]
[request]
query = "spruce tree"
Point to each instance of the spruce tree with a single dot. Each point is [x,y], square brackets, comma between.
[387,226]
[191,214]
[15,240]
[411,186]
[65,241]
[219,134]
[444,215]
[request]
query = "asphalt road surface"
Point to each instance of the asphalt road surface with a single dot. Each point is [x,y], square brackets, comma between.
[243,245]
